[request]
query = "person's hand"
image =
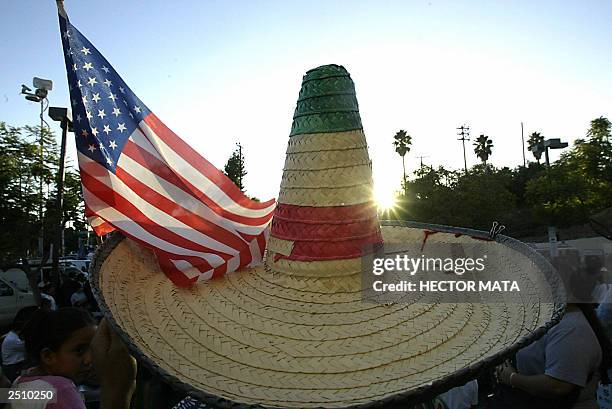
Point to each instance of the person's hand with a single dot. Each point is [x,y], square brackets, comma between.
[504,373]
[115,367]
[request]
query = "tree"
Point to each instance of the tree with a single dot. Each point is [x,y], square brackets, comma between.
[402,142]
[483,147]
[578,184]
[429,195]
[600,129]
[561,197]
[534,140]
[234,168]
[20,201]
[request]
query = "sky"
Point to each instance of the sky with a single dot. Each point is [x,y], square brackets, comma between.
[221,72]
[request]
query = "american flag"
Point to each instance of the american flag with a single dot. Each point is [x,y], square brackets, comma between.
[140,178]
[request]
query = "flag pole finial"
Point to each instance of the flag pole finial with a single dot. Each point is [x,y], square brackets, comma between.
[60,8]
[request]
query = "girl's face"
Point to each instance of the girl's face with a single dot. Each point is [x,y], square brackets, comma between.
[73,358]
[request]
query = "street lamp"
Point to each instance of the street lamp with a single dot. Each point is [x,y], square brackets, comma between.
[43,87]
[544,146]
[64,117]
[553,144]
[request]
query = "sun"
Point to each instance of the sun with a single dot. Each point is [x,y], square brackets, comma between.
[385,199]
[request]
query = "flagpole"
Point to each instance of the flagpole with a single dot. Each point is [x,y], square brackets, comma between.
[60,8]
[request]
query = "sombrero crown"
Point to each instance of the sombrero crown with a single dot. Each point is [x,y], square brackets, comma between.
[295,332]
[325,209]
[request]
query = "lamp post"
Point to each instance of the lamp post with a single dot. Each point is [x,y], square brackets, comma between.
[43,87]
[64,117]
[544,146]
[552,144]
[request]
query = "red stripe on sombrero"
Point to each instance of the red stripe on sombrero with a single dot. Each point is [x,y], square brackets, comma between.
[327,233]
[330,214]
[324,250]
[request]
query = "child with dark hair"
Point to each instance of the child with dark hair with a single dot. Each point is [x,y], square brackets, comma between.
[13,347]
[63,346]
[57,343]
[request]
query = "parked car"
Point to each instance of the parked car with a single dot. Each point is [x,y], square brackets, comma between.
[12,300]
[82,265]
[67,268]
[17,277]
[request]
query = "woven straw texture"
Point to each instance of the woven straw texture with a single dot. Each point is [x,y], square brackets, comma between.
[327,169]
[327,102]
[294,340]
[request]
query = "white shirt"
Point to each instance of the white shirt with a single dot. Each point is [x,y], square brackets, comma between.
[78,298]
[600,293]
[461,397]
[51,300]
[13,349]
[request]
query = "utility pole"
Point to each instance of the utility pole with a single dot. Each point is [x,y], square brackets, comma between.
[465,136]
[64,116]
[421,158]
[241,164]
[523,139]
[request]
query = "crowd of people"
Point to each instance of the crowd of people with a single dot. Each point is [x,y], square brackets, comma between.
[57,348]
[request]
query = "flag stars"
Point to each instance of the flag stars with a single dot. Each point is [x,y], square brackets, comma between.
[79,84]
[85,51]
[66,34]
[101,113]
[131,116]
[107,82]
[92,81]
[96,97]
[94,131]
[107,129]
[87,66]
[85,133]
[78,118]
[137,109]
[89,115]
[105,69]
[109,160]
[85,100]
[122,90]
[112,145]
[112,96]
[116,112]
[74,67]
[91,148]
[121,127]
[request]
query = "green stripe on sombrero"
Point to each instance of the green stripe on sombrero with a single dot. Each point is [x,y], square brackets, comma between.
[327,102]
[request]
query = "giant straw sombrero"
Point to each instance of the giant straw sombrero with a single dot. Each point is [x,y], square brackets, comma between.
[296,332]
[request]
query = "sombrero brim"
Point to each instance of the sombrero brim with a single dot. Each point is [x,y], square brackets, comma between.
[260,338]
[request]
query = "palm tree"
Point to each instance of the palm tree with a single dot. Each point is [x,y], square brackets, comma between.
[483,147]
[534,140]
[402,142]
